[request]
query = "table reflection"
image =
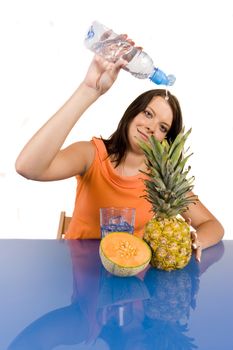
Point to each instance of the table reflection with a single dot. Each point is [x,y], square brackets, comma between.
[147,311]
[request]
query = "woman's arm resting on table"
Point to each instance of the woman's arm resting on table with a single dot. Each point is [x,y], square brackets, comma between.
[209,230]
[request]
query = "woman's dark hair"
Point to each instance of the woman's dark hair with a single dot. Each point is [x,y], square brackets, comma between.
[118,143]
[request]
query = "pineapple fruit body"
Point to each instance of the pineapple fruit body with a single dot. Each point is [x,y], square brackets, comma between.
[170,242]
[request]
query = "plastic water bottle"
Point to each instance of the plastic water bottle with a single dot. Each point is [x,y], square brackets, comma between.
[103,41]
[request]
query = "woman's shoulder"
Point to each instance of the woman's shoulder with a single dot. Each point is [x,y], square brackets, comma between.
[97,141]
[90,151]
[100,146]
[81,154]
[82,147]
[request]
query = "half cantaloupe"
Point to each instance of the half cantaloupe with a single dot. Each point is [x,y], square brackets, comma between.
[123,254]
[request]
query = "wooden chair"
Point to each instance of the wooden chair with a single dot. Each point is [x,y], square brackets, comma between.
[63,225]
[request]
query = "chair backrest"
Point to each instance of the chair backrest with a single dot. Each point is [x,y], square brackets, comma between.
[63,225]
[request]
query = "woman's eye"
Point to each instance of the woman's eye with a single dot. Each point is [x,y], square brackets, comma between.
[148,114]
[163,129]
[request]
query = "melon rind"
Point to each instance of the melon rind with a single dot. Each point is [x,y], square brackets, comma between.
[119,270]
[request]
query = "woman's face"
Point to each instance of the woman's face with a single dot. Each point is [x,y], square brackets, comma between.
[155,120]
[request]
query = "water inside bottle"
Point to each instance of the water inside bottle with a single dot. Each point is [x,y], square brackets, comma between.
[114,49]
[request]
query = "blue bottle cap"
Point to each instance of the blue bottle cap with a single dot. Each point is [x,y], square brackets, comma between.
[160,78]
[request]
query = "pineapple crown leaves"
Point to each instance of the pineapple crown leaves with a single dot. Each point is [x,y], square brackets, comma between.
[167,183]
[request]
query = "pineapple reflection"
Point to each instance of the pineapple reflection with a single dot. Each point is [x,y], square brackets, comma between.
[172,296]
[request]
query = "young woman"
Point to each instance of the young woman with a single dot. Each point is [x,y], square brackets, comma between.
[108,171]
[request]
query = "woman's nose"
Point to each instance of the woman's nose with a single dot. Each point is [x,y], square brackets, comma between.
[151,127]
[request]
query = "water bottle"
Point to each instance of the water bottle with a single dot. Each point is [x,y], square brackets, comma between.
[103,41]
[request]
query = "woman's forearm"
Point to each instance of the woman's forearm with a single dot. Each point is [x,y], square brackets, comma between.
[41,149]
[209,233]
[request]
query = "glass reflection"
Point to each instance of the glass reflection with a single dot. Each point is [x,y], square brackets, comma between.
[147,311]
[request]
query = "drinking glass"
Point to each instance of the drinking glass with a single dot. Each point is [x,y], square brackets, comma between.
[116,219]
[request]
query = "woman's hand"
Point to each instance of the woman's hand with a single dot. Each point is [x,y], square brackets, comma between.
[196,244]
[102,74]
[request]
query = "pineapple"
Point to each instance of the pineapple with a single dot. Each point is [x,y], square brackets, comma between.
[167,189]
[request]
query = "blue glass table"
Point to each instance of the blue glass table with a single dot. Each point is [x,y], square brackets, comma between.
[56,295]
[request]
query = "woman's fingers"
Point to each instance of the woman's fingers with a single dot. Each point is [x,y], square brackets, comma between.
[196,245]
[189,221]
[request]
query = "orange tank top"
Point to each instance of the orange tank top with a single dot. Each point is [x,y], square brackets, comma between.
[101,186]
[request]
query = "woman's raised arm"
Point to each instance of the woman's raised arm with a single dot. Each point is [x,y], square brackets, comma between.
[42,158]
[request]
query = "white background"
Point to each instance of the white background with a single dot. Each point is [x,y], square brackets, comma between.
[43,60]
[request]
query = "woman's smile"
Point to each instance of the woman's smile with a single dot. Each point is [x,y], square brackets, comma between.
[143,135]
